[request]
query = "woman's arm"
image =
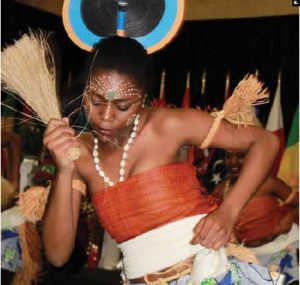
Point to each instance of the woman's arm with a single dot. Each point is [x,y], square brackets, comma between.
[191,126]
[281,190]
[61,217]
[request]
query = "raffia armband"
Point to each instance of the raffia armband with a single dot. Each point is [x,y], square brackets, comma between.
[79,186]
[238,108]
[214,127]
[33,201]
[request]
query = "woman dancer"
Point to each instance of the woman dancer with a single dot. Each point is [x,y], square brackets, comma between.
[151,205]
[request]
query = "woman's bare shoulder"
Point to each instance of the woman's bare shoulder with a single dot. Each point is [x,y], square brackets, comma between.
[85,141]
[163,117]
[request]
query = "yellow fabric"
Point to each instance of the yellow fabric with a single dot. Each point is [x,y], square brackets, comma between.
[289,167]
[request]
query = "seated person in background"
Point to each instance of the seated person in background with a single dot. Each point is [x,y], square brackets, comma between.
[268,222]
[264,217]
[10,167]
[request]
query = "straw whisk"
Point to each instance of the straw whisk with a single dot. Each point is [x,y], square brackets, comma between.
[28,70]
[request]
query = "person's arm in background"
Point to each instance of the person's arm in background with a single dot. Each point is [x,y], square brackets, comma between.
[12,142]
[283,192]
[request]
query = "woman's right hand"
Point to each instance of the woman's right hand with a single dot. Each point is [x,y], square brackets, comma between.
[58,138]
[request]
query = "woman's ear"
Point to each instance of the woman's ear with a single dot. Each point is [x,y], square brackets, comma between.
[86,103]
[144,100]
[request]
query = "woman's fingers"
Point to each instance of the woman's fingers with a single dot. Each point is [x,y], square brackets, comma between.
[56,128]
[54,123]
[197,231]
[58,133]
[212,231]
[58,138]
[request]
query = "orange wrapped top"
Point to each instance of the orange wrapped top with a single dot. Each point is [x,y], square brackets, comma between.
[151,199]
[259,219]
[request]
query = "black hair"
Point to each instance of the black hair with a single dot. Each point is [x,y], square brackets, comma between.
[125,56]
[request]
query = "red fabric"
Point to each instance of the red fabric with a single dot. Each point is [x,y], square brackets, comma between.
[259,219]
[151,199]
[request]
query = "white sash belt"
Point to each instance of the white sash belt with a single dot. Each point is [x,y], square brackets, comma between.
[165,246]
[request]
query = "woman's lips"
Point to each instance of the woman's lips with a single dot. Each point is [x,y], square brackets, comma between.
[106,132]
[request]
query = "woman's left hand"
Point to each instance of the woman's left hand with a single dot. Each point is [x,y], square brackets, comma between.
[214,230]
[284,225]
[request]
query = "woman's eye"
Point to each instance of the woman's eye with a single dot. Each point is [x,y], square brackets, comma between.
[123,108]
[97,102]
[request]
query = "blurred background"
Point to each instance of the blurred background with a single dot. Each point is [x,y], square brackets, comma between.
[219,43]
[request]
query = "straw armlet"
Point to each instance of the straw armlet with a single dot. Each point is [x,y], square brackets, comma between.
[80,186]
[238,109]
[33,201]
[213,129]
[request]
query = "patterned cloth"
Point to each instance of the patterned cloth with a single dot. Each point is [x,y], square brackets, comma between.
[10,250]
[240,273]
[284,261]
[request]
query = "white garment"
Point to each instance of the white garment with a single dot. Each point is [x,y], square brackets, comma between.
[110,254]
[278,244]
[165,246]
[11,218]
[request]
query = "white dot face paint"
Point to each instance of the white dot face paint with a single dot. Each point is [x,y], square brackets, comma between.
[115,101]
[111,89]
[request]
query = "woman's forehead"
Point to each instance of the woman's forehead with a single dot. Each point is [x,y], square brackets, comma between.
[113,77]
[114,85]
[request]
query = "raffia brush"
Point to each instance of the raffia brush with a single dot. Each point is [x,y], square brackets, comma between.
[28,70]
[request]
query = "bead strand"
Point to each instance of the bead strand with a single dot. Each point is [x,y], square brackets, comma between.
[123,161]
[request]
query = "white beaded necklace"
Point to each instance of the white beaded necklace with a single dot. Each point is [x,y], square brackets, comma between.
[101,173]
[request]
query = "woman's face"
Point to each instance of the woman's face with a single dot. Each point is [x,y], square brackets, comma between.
[234,161]
[113,101]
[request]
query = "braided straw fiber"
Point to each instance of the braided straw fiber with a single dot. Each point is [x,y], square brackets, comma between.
[28,70]
[32,203]
[31,258]
[238,108]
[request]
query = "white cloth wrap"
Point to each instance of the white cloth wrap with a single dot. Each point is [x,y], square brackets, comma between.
[11,218]
[165,246]
[278,244]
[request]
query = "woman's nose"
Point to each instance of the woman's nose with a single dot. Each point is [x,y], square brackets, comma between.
[107,114]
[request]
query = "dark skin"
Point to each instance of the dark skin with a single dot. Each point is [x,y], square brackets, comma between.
[169,129]
[272,186]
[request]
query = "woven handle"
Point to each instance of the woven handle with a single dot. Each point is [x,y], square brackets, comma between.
[73,153]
